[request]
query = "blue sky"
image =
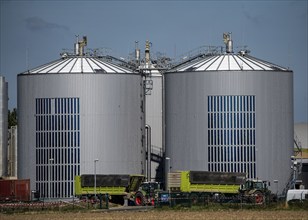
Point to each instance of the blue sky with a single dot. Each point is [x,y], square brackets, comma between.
[35,32]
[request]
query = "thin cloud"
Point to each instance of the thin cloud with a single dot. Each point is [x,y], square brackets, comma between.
[253,19]
[38,24]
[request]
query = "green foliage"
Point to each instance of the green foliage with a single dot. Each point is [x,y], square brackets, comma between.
[298,205]
[12,118]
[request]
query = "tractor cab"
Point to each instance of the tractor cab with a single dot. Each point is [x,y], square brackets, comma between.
[149,187]
[255,185]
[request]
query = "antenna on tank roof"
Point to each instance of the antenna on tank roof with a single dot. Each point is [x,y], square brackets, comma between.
[76,45]
[27,58]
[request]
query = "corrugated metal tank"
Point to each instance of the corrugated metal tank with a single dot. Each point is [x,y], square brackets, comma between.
[70,113]
[230,113]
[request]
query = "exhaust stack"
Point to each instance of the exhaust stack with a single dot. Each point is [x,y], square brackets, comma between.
[147,52]
[79,45]
[228,42]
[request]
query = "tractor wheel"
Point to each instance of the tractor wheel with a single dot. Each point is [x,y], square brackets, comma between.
[194,198]
[222,198]
[258,197]
[152,202]
[218,197]
[139,199]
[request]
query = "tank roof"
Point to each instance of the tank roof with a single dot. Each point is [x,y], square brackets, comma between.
[79,64]
[226,62]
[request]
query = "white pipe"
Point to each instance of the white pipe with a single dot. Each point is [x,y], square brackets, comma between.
[148,143]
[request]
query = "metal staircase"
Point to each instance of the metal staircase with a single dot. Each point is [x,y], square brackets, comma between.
[296,166]
[156,154]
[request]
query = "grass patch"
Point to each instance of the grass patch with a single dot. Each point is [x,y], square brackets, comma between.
[210,207]
[298,205]
[275,206]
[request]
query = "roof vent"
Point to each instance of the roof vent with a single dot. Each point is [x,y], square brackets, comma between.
[228,42]
[244,52]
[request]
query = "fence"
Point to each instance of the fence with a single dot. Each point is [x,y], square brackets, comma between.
[188,200]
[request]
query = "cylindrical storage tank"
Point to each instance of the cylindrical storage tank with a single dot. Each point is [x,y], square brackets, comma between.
[230,113]
[3,126]
[75,115]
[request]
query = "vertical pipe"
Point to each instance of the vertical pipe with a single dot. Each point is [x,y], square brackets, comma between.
[147,54]
[167,169]
[95,178]
[164,129]
[148,144]
[76,45]
[137,53]
[143,121]
[49,181]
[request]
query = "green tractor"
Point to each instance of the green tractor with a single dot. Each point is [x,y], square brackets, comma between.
[255,191]
[145,195]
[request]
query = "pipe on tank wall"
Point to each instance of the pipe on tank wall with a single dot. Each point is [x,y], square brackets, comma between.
[148,144]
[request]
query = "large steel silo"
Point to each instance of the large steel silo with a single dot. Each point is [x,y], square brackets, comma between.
[3,126]
[230,112]
[74,111]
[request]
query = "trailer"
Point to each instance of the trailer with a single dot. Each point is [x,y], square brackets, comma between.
[297,195]
[216,186]
[118,188]
[15,190]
